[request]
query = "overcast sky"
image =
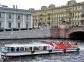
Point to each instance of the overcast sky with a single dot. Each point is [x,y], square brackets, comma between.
[26,4]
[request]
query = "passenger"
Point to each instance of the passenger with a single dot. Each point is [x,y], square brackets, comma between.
[68,44]
[61,45]
[75,45]
[50,43]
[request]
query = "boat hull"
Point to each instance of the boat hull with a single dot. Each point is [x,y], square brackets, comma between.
[11,54]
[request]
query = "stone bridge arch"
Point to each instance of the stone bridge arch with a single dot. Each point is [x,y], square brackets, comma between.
[75,33]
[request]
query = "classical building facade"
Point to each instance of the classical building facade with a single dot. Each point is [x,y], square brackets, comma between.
[72,13]
[15,18]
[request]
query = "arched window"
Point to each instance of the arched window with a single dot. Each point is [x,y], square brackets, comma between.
[9,25]
[18,25]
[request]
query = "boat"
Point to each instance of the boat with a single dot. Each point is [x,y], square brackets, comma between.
[10,50]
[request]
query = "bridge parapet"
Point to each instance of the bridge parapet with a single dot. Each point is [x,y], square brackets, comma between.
[76,28]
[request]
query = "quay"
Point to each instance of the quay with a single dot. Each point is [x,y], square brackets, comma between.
[62,31]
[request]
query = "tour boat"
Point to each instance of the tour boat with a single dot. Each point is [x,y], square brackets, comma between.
[36,48]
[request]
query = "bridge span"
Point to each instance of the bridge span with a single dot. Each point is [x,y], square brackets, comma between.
[73,32]
[76,32]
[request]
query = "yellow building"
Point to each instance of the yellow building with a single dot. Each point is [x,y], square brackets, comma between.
[72,13]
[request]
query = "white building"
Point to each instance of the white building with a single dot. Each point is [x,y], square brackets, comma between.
[14,18]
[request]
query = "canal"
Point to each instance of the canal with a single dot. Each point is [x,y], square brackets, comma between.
[58,57]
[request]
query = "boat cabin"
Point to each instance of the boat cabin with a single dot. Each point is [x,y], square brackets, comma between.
[27,47]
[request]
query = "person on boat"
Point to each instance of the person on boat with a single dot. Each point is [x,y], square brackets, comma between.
[75,45]
[53,44]
[50,43]
[62,45]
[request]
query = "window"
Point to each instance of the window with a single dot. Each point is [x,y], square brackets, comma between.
[36,48]
[19,17]
[27,17]
[0,15]
[27,25]
[48,23]
[8,48]
[30,48]
[27,49]
[9,25]
[36,20]
[17,49]
[18,25]
[9,16]
[48,16]
[82,15]
[12,49]
[44,48]
[0,24]
[22,49]
[40,19]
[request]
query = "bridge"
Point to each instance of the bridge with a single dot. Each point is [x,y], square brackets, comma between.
[75,32]
[68,32]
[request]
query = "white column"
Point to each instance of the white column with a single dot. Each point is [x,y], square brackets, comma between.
[14,25]
[5,21]
[31,22]
[23,22]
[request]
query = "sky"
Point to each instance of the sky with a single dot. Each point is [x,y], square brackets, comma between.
[36,4]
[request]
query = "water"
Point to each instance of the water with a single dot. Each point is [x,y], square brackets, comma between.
[58,57]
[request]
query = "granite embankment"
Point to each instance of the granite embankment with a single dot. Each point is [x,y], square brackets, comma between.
[34,33]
